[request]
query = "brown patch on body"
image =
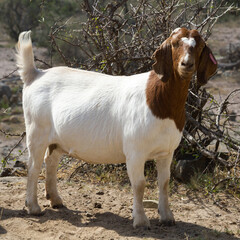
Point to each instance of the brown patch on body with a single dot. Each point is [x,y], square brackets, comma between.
[167,100]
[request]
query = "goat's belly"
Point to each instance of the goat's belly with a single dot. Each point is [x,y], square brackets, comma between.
[97,156]
[103,157]
[93,151]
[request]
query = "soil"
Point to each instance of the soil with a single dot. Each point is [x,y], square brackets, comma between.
[96,210]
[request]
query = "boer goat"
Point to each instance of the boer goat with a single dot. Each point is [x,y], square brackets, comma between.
[100,118]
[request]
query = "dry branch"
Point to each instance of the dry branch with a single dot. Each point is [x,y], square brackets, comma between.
[6,158]
[119,39]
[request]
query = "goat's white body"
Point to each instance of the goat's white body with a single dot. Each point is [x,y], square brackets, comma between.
[96,117]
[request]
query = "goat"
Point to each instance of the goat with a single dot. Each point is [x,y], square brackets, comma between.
[100,118]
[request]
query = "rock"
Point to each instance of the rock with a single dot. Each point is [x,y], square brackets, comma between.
[5,90]
[188,165]
[150,204]
[20,164]
[89,215]
[5,120]
[14,119]
[97,205]
[6,172]
[14,179]
[100,193]
[14,99]
[5,101]
[19,172]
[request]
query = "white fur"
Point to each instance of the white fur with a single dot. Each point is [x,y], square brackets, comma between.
[189,41]
[186,57]
[175,30]
[97,118]
[25,63]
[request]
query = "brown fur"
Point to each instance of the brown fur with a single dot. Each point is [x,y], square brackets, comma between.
[164,52]
[168,83]
[207,68]
[166,100]
[52,147]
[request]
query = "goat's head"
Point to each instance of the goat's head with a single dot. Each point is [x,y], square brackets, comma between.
[184,53]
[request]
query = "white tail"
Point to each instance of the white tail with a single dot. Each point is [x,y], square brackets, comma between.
[25,58]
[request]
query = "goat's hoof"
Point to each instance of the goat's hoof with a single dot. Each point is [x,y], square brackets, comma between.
[36,211]
[167,223]
[57,206]
[57,203]
[33,209]
[141,222]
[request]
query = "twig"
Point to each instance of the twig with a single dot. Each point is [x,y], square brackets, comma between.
[204,151]
[13,134]
[41,61]
[5,159]
[8,75]
[224,180]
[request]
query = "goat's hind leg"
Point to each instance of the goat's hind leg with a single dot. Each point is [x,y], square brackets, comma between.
[52,160]
[36,150]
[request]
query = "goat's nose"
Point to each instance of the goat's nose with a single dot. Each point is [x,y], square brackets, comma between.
[187,64]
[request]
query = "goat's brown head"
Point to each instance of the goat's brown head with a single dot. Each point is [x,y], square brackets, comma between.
[184,53]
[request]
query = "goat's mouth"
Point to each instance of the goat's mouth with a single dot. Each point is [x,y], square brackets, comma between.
[186,71]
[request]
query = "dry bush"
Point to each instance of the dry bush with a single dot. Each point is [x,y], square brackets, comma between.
[119,38]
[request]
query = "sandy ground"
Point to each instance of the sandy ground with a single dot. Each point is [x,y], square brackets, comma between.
[97,211]
[104,212]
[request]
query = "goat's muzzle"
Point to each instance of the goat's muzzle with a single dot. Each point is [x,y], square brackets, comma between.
[186,68]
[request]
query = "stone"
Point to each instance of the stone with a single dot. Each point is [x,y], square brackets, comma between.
[188,165]
[20,164]
[97,205]
[14,99]
[150,204]
[5,90]
[14,119]
[100,193]
[6,172]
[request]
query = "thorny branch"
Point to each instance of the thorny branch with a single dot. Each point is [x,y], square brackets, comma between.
[8,75]
[22,135]
[116,34]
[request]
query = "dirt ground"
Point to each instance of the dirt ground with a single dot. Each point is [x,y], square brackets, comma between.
[103,211]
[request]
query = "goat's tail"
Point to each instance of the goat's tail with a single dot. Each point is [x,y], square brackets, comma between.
[25,58]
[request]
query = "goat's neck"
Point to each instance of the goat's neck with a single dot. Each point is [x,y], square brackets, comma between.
[167,100]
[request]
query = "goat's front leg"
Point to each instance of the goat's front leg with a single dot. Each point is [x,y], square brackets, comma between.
[135,169]
[163,168]
[52,161]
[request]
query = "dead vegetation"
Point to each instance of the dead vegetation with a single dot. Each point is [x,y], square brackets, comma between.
[119,38]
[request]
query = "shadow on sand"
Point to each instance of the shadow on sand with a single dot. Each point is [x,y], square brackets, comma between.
[121,225]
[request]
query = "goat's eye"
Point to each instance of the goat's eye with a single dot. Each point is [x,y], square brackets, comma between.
[175,44]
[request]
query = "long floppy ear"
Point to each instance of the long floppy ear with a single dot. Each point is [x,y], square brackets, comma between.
[207,66]
[163,65]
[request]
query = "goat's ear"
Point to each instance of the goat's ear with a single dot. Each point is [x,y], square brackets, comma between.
[207,66]
[163,65]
